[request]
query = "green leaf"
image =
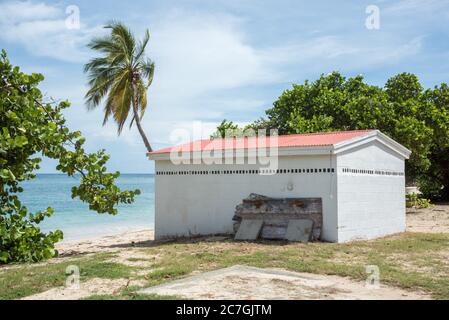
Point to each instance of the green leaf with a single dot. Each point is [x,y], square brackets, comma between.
[20,141]
[29,127]
[4,256]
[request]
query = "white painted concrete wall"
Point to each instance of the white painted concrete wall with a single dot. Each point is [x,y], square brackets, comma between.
[370,205]
[205,204]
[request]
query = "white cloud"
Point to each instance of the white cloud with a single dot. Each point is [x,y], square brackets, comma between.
[204,63]
[201,56]
[195,54]
[26,11]
[414,6]
[41,29]
[346,52]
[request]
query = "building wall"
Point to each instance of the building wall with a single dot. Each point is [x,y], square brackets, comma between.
[190,204]
[371,203]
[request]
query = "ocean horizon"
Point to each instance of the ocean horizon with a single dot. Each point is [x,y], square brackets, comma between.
[74,218]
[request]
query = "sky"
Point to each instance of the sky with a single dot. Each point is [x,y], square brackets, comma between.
[220,59]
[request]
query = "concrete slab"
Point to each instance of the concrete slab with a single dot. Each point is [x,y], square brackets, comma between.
[249,229]
[249,283]
[299,230]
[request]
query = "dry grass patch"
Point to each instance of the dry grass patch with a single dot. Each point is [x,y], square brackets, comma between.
[414,261]
[410,260]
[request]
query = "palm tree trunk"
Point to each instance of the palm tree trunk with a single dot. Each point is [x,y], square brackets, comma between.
[137,118]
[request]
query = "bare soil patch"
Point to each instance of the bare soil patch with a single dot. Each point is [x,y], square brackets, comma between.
[433,220]
[415,260]
[88,288]
[243,282]
[105,244]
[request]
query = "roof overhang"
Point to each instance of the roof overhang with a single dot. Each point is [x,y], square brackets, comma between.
[374,135]
[344,146]
[241,153]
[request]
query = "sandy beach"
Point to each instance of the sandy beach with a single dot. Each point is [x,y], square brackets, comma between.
[105,243]
[433,220]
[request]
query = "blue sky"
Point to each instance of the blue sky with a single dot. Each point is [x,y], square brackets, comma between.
[221,59]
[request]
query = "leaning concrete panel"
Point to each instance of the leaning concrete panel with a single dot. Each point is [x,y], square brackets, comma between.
[249,229]
[299,230]
[277,212]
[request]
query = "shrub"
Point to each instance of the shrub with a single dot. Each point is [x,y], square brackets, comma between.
[414,201]
[31,127]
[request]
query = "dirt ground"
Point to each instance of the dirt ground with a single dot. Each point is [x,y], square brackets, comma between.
[239,282]
[110,243]
[248,283]
[85,289]
[434,219]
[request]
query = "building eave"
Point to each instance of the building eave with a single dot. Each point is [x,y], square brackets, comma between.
[337,148]
[238,153]
[375,135]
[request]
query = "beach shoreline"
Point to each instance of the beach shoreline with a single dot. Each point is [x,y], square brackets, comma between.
[104,243]
[73,217]
[431,220]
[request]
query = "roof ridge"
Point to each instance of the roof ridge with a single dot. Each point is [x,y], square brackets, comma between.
[326,133]
[287,140]
[297,134]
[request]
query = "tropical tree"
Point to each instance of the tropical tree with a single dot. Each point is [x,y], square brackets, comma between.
[121,75]
[32,127]
[227,129]
[402,108]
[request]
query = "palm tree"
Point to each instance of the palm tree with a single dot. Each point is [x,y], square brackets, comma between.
[122,75]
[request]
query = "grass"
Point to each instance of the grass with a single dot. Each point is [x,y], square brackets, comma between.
[130,293]
[133,296]
[24,280]
[414,261]
[107,270]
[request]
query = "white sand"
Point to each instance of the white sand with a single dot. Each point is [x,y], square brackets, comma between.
[433,220]
[105,244]
[248,283]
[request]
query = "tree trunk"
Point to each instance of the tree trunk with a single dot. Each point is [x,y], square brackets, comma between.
[137,117]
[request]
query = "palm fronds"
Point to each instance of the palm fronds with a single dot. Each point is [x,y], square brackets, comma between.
[120,76]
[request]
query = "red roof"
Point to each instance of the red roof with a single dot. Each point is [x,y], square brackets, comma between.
[283,141]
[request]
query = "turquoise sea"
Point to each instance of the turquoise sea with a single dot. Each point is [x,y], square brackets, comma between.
[74,217]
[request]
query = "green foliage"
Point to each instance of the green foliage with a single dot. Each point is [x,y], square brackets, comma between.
[402,109]
[415,201]
[31,127]
[227,129]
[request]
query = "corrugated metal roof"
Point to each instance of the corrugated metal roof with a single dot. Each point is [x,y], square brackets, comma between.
[283,141]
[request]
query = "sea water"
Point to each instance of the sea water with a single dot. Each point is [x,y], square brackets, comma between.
[74,218]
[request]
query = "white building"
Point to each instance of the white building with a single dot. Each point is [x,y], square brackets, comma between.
[358,174]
